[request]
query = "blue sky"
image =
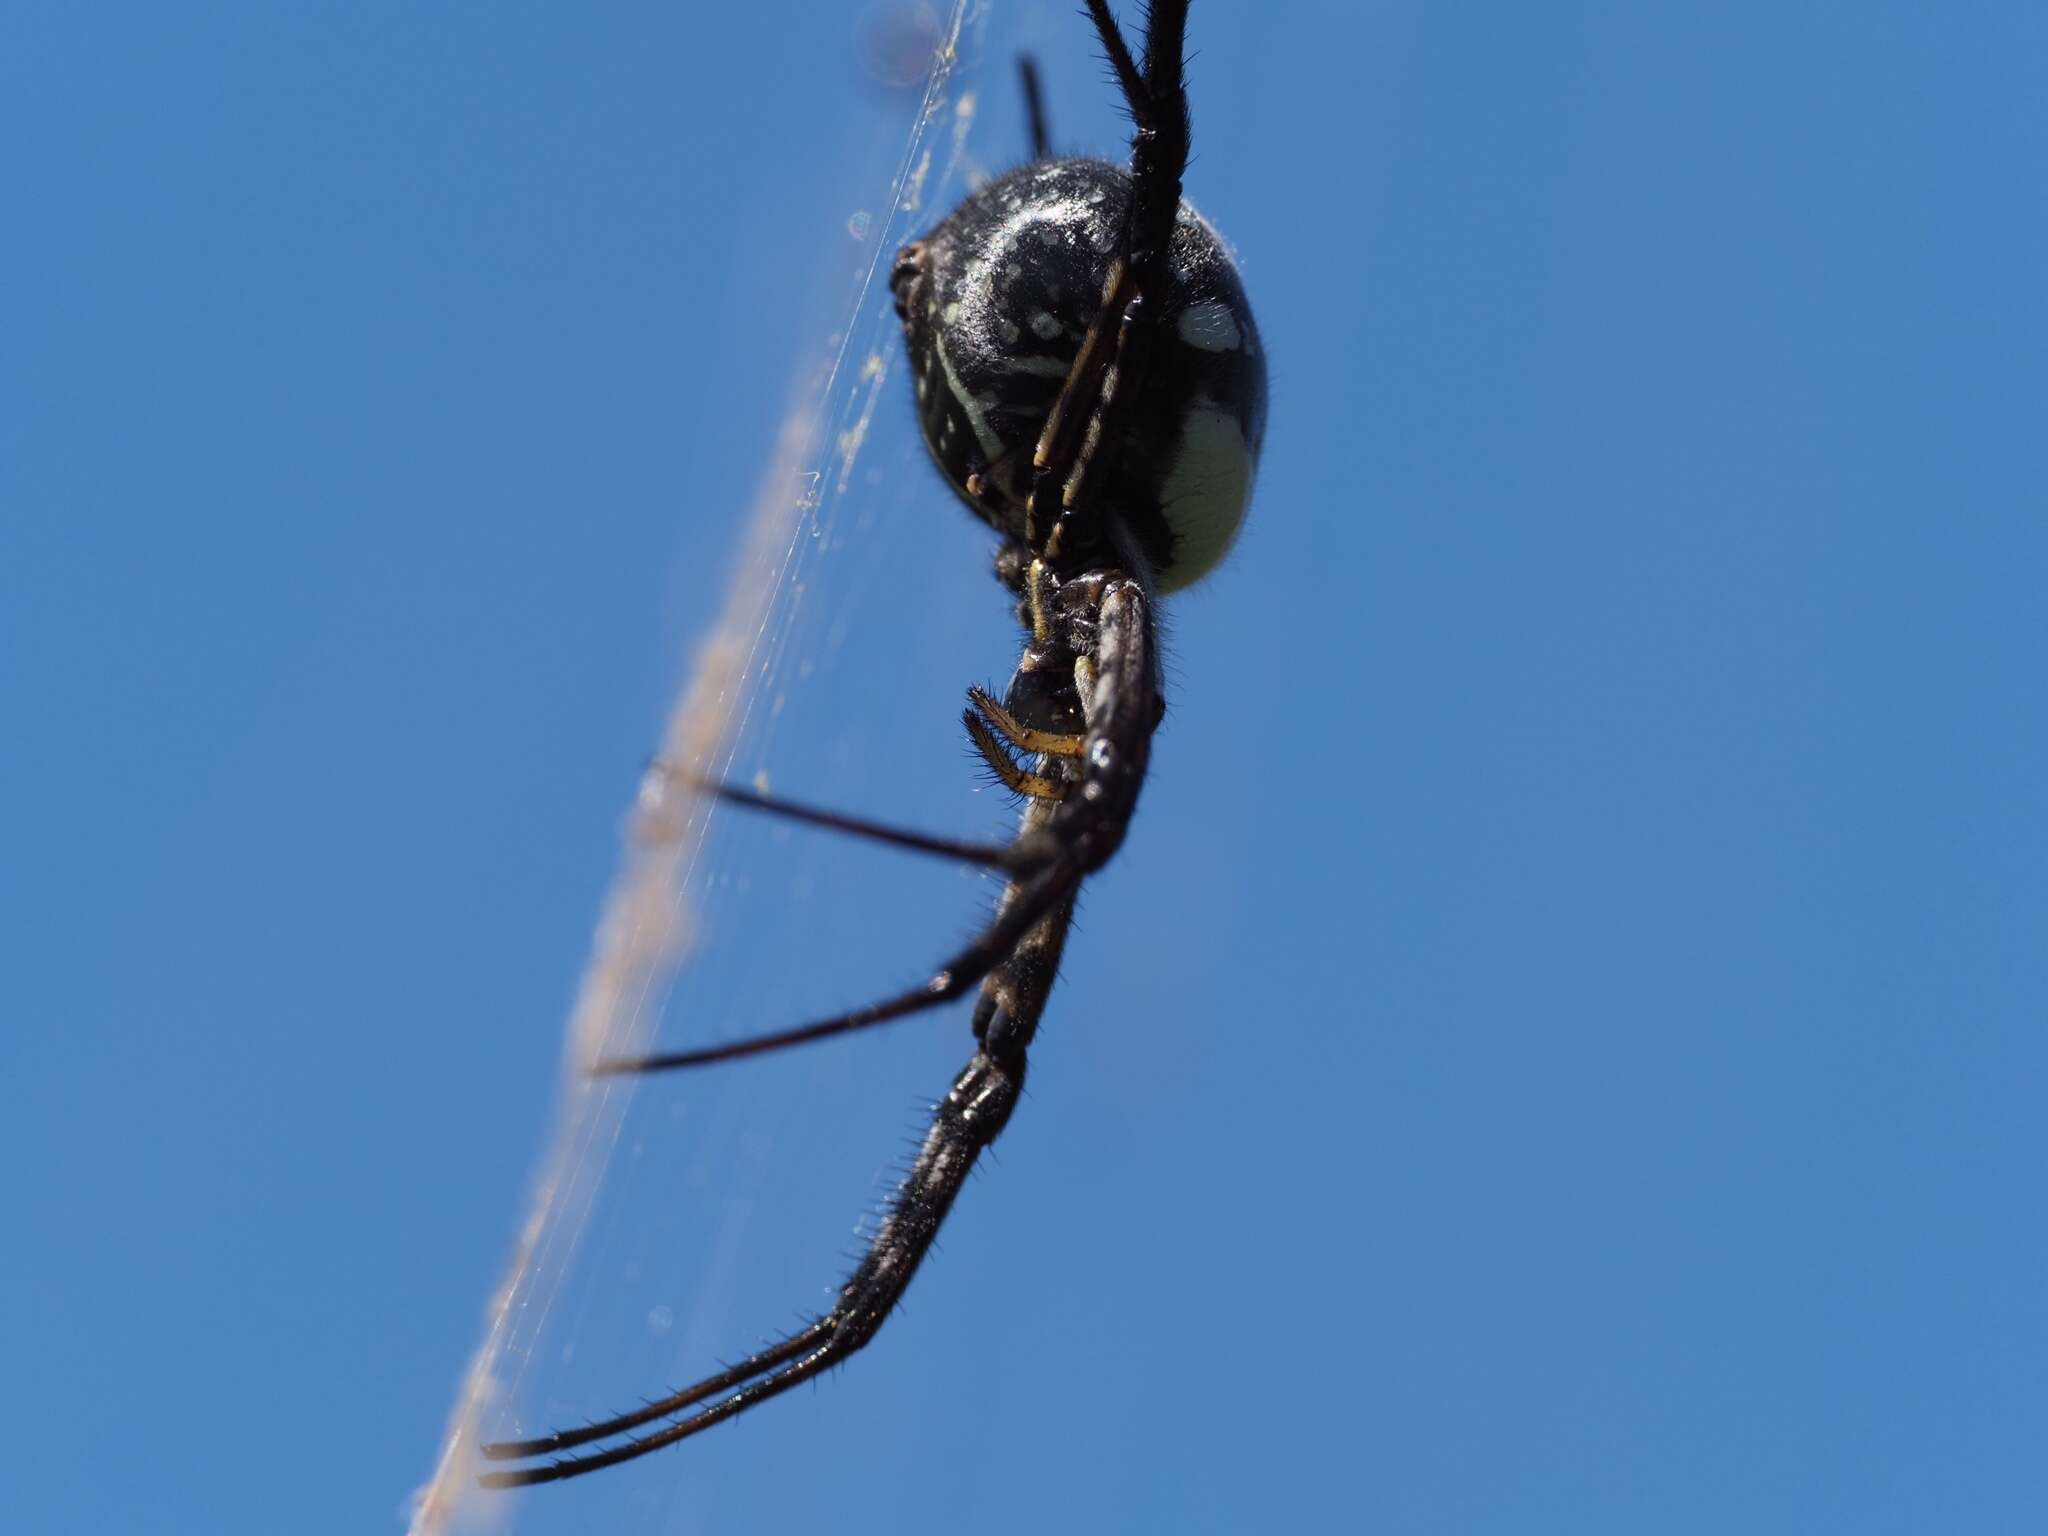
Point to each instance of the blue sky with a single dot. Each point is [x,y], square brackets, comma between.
[1563,1047]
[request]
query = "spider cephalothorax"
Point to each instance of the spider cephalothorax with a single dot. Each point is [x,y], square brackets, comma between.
[1090,381]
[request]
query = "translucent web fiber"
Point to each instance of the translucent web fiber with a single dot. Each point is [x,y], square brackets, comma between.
[646,928]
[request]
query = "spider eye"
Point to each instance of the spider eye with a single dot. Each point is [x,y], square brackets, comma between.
[995,302]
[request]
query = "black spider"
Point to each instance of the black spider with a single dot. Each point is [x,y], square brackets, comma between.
[1090,381]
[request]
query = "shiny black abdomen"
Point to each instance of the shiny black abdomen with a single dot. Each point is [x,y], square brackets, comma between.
[995,302]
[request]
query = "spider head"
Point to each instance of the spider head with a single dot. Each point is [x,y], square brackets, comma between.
[995,302]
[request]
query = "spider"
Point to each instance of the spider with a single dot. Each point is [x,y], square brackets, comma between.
[1089,381]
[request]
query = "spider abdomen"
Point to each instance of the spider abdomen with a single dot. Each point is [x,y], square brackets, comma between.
[995,302]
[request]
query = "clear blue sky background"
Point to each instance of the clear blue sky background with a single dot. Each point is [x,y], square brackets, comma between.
[1563,1049]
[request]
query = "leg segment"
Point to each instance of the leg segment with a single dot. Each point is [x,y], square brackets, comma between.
[549,1445]
[1021,736]
[1016,959]
[1016,778]
[1034,107]
[971,1116]
[1080,833]
[1095,405]
[989,855]
[1121,709]
[1159,149]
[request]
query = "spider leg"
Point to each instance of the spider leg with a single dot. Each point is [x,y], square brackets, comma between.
[1060,441]
[988,855]
[667,1407]
[1109,367]
[1021,736]
[1034,107]
[1158,101]
[1016,959]
[1038,598]
[1122,708]
[968,1119]
[1015,777]
[1030,900]
[759,1391]
[1075,836]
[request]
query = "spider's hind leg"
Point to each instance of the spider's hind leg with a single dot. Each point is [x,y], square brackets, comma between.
[972,1115]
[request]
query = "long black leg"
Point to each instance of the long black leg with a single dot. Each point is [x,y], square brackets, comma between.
[1159,149]
[1030,930]
[1094,406]
[971,1116]
[1087,827]
[666,1408]
[1034,107]
[1036,896]
[988,855]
